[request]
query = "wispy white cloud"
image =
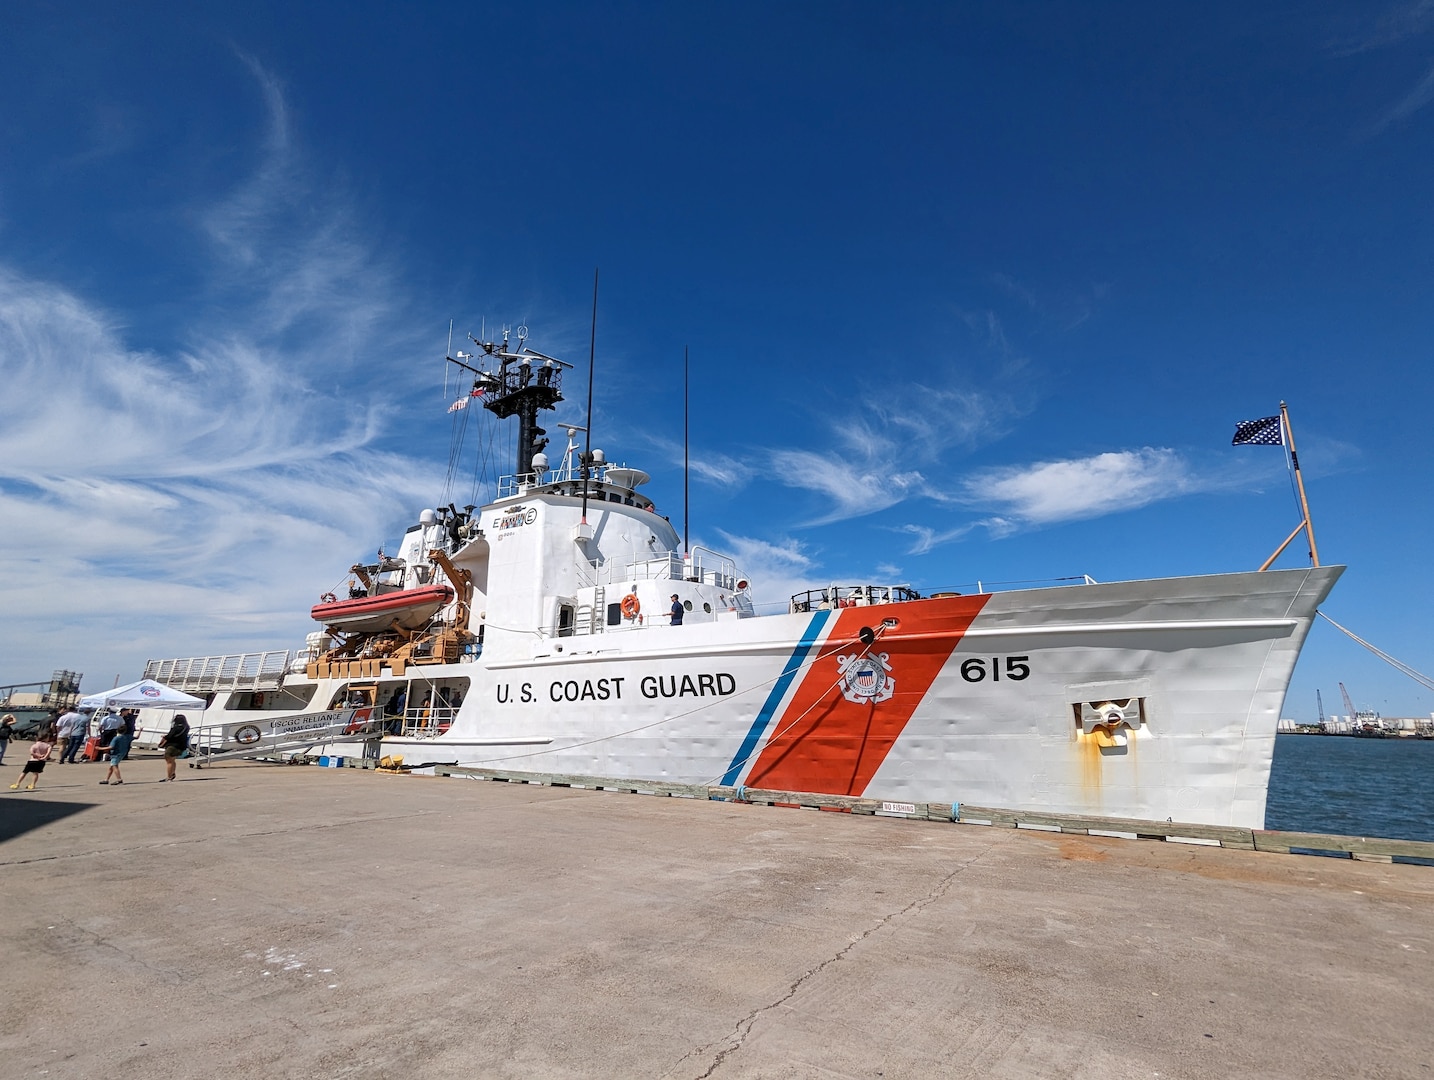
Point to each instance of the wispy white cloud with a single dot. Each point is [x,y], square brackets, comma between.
[935,420]
[1420,95]
[895,441]
[1066,309]
[1020,497]
[1020,291]
[199,499]
[778,569]
[1052,491]
[920,426]
[244,219]
[287,242]
[928,538]
[989,331]
[209,494]
[722,470]
[711,466]
[1396,24]
[847,489]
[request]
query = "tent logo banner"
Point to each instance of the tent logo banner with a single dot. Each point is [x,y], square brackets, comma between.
[145,694]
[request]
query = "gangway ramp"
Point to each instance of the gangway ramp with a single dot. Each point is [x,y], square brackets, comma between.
[272,736]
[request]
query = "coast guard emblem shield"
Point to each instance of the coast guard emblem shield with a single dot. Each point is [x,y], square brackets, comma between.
[866,678]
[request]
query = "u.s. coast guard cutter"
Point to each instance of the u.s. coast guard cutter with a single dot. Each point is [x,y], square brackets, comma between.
[536,633]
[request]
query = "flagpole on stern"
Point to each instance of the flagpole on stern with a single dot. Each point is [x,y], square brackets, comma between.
[1300,480]
[1306,524]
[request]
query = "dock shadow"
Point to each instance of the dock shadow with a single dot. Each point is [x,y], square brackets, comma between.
[24,815]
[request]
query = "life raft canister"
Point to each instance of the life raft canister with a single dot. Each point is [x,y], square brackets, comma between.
[630,606]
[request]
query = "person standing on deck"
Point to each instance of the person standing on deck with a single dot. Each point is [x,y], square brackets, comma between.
[676,611]
[395,709]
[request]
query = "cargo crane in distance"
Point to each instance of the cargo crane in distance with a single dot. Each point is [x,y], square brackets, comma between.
[1365,723]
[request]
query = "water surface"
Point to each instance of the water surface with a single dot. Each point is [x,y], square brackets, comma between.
[1353,787]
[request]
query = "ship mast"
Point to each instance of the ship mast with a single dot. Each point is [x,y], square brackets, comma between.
[526,382]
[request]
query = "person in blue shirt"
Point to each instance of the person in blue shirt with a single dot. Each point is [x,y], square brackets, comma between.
[119,747]
[676,611]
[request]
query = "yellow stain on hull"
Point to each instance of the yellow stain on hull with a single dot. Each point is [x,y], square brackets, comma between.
[1091,771]
[1095,753]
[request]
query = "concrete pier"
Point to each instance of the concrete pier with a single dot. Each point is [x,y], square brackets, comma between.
[264,920]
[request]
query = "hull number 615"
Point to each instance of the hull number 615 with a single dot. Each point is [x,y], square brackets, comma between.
[977,668]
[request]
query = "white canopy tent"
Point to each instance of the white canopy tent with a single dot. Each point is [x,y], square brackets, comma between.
[145,694]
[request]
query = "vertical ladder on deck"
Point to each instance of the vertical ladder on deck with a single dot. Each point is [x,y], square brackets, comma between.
[591,618]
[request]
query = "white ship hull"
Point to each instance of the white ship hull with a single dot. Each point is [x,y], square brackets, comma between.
[1146,699]
[1197,668]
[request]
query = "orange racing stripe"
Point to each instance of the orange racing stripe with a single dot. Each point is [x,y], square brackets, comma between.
[823,741]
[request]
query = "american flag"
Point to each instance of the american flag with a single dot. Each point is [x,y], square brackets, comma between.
[1265,432]
[462,403]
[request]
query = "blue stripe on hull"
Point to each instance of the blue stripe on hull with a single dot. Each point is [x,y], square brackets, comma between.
[779,691]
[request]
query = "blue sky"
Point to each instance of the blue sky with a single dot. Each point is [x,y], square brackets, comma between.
[972,292]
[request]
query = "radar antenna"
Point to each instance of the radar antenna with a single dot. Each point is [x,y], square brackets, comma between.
[516,388]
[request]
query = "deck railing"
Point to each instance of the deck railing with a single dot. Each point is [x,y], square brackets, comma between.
[235,671]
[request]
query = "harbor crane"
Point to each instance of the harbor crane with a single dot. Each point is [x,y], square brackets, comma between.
[1367,722]
[1349,709]
[1319,701]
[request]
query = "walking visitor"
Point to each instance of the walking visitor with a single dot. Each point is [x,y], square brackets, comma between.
[39,754]
[119,746]
[175,743]
[70,727]
[79,733]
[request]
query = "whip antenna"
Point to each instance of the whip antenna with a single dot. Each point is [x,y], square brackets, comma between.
[686,550]
[588,435]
